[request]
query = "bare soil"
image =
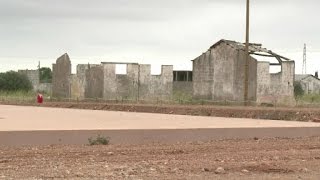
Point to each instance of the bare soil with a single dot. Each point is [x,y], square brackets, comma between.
[274,113]
[240,159]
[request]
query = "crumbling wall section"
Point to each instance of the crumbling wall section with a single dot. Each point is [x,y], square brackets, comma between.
[94,82]
[155,87]
[275,88]
[203,76]
[119,86]
[61,72]
[218,75]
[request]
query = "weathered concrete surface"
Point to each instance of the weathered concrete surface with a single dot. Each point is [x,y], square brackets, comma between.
[61,72]
[182,88]
[94,82]
[275,88]
[119,86]
[33,76]
[36,125]
[310,84]
[45,87]
[218,74]
[153,87]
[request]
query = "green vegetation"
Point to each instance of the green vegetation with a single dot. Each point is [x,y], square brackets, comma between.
[14,81]
[181,97]
[17,96]
[310,98]
[99,140]
[45,75]
[298,91]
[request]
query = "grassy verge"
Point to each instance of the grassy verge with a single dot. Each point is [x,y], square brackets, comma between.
[17,96]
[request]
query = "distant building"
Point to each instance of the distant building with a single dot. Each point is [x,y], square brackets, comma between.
[310,84]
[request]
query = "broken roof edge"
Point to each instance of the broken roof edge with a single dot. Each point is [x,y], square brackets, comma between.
[254,48]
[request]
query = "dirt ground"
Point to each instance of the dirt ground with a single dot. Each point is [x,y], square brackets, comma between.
[237,159]
[274,113]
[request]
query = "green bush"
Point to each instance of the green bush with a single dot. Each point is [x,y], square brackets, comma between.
[298,91]
[99,140]
[14,81]
[45,75]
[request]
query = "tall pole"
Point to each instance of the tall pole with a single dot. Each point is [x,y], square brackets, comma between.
[246,69]
[304,65]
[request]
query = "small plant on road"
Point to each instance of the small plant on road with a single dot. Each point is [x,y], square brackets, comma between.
[99,140]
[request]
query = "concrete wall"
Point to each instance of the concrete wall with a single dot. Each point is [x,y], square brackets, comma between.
[153,87]
[218,75]
[275,88]
[33,76]
[203,76]
[45,87]
[76,87]
[183,88]
[61,72]
[118,86]
[94,82]
[310,85]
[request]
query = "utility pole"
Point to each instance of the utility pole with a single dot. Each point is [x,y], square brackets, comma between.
[304,65]
[246,69]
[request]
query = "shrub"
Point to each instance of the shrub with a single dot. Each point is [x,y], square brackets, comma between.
[298,91]
[99,140]
[45,75]
[14,81]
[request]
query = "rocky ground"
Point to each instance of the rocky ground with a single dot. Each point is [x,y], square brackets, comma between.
[221,159]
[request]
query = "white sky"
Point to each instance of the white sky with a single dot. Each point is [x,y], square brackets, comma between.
[150,31]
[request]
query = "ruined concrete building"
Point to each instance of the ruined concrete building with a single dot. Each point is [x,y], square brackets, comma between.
[218,74]
[101,81]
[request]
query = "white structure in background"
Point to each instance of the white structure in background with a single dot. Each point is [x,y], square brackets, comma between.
[310,84]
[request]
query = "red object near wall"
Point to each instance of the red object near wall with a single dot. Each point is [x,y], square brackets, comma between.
[40,98]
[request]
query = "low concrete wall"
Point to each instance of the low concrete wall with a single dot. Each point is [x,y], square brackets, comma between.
[45,87]
[153,87]
[182,88]
[33,76]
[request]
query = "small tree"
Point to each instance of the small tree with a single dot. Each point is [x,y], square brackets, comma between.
[45,75]
[298,90]
[14,81]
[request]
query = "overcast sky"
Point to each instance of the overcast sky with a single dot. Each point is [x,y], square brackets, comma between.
[150,31]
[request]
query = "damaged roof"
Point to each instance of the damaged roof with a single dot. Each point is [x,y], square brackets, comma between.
[254,49]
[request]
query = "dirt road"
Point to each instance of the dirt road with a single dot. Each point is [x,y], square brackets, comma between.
[274,113]
[42,126]
[239,159]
